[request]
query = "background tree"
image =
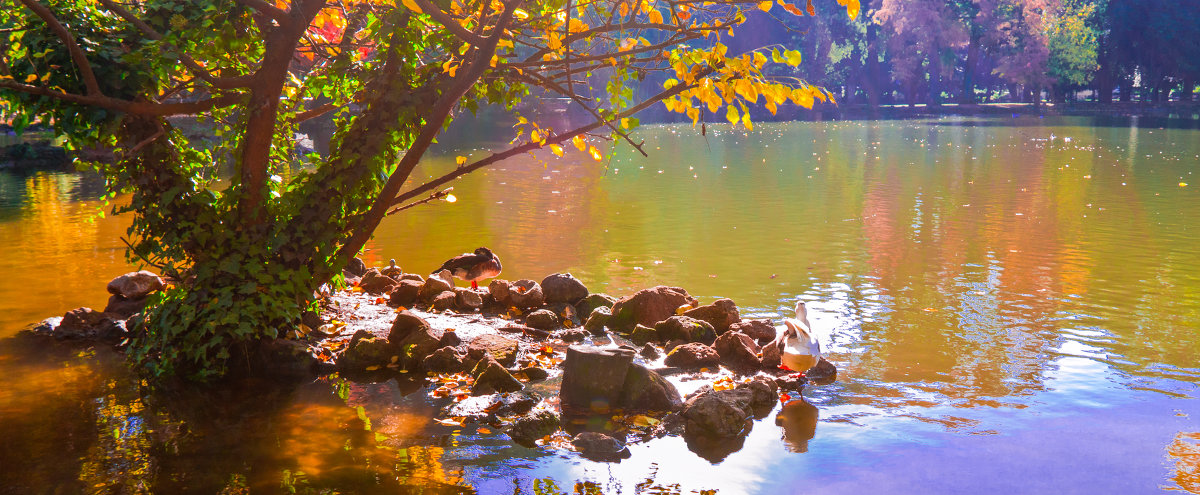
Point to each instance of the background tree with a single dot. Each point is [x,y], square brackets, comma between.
[251,251]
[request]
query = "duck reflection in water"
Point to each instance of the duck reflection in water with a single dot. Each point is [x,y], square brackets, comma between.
[799,421]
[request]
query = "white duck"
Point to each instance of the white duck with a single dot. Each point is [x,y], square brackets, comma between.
[799,348]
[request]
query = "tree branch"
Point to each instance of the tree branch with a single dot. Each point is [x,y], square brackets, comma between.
[527,147]
[77,56]
[428,8]
[280,16]
[126,106]
[193,67]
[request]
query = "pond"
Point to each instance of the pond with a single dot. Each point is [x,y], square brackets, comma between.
[1013,305]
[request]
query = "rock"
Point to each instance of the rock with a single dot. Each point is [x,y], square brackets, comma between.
[78,323]
[311,319]
[111,330]
[693,355]
[563,288]
[135,285]
[791,382]
[364,353]
[493,378]
[449,338]
[356,267]
[46,327]
[444,360]
[123,308]
[501,292]
[686,328]
[374,282]
[516,328]
[823,372]
[406,323]
[648,307]
[432,287]
[490,407]
[411,276]
[444,301]
[415,343]
[760,330]
[405,293]
[771,356]
[650,352]
[503,349]
[536,333]
[738,351]
[645,390]
[543,319]
[714,415]
[446,276]
[392,271]
[527,429]
[593,378]
[597,321]
[532,373]
[643,334]
[672,344]
[287,357]
[572,335]
[565,312]
[593,301]
[526,294]
[600,447]
[467,299]
[720,314]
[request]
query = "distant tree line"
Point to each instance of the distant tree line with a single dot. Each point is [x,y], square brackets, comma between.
[972,51]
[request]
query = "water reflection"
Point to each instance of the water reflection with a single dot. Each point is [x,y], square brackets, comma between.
[997,298]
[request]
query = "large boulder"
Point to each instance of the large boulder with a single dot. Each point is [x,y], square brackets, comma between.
[502,348]
[720,314]
[738,351]
[687,329]
[727,413]
[593,378]
[600,447]
[823,372]
[563,288]
[123,308]
[760,330]
[531,427]
[432,287]
[772,356]
[571,335]
[693,355]
[543,319]
[642,334]
[135,285]
[405,293]
[79,323]
[374,282]
[646,390]
[415,339]
[526,294]
[648,307]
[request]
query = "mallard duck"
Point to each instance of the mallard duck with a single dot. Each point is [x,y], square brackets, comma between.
[799,348]
[473,267]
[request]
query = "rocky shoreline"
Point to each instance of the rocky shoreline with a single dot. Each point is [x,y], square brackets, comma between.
[548,363]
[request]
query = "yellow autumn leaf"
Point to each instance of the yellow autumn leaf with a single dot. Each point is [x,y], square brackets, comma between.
[852,7]
[579,143]
[644,421]
[31,78]
[731,114]
[595,153]
[765,5]
[746,121]
[556,149]
[461,160]
[411,5]
[655,17]
[535,136]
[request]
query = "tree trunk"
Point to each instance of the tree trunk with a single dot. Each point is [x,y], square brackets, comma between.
[1189,86]
[873,82]
[1126,92]
[935,78]
[968,90]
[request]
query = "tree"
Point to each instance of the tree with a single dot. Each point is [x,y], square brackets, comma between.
[250,252]
[1073,44]
[922,35]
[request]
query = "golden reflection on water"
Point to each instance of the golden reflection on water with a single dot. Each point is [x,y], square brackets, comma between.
[968,278]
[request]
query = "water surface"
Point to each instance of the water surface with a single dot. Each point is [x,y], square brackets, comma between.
[1013,305]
